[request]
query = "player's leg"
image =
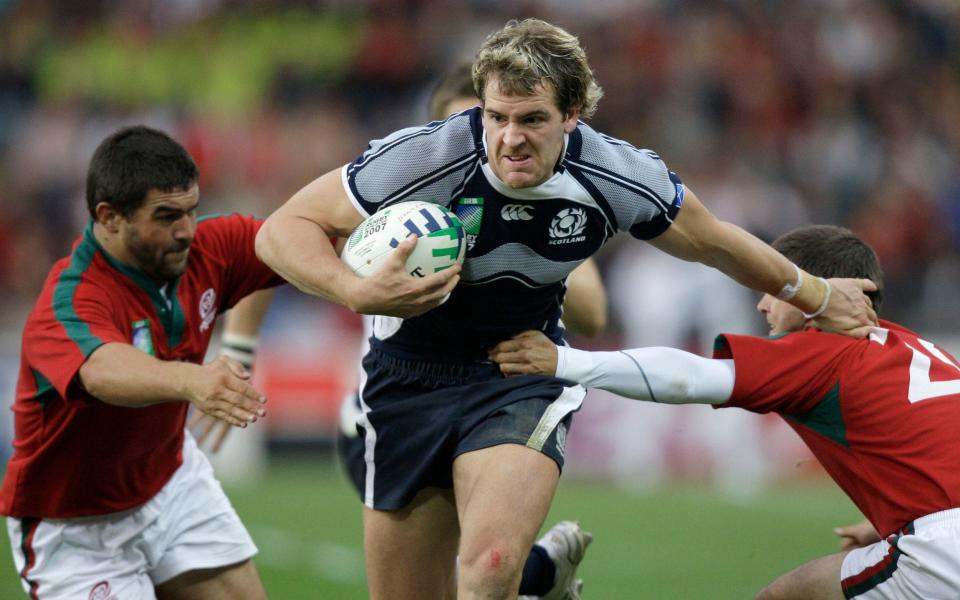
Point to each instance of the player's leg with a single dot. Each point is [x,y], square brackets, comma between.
[221,583]
[411,553]
[198,547]
[503,494]
[81,558]
[819,578]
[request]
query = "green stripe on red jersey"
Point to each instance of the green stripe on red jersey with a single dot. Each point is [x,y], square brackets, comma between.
[825,418]
[44,389]
[63,296]
[171,318]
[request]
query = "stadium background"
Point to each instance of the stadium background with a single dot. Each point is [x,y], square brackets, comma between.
[776,113]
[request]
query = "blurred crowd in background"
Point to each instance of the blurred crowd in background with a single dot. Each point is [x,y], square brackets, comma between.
[775,112]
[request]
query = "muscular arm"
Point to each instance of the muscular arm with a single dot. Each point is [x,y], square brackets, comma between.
[121,374]
[696,235]
[585,305]
[294,242]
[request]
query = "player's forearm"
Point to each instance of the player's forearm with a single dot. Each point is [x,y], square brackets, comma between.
[121,374]
[696,235]
[663,375]
[300,252]
[241,328]
[247,315]
[755,264]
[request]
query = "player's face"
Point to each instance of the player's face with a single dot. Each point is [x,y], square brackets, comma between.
[524,134]
[781,316]
[157,236]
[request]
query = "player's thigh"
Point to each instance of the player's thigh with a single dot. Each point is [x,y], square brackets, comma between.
[503,495]
[231,582]
[80,558]
[411,552]
[819,578]
[198,529]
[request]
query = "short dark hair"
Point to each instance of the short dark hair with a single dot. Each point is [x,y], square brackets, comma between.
[133,161]
[458,83]
[830,251]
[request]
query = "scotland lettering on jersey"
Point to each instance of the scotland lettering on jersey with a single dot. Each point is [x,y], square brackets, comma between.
[521,243]
[567,226]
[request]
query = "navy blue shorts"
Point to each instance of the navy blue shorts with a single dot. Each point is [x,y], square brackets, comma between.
[419,416]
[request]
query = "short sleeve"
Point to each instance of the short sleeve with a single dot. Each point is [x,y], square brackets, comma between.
[418,163]
[642,193]
[229,240]
[789,374]
[69,323]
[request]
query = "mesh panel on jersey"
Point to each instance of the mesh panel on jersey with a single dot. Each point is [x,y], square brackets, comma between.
[516,258]
[641,166]
[397,162]
[629,206]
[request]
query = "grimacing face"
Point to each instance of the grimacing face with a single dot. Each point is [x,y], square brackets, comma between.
[524,133]
[781,316]
[157,236]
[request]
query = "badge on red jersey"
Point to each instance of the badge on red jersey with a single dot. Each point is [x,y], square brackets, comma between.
[141,337]
[208,306]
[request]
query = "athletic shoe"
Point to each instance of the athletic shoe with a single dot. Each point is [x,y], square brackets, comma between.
[565,543]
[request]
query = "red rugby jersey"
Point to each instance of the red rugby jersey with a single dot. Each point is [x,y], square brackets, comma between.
[73,454]
[881,414]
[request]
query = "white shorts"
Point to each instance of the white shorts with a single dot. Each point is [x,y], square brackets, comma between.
[922,563]
[188,525]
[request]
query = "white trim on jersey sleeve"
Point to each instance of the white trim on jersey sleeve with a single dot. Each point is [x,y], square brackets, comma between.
[346,188]
[656,374]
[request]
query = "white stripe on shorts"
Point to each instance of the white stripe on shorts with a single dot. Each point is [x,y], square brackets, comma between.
[569,400]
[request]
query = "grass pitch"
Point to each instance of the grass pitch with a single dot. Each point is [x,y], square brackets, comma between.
[680,543]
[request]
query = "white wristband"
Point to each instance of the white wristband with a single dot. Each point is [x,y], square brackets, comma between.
[240,348]
[789,291]
[823,305]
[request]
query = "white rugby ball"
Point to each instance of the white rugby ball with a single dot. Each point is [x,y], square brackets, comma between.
[441,243]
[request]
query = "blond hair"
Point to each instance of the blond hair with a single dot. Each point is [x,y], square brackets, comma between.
[527,54]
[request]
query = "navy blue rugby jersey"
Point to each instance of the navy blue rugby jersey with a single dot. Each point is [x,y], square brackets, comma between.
[521,243]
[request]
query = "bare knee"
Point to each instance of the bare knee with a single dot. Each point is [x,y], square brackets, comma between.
[493,572]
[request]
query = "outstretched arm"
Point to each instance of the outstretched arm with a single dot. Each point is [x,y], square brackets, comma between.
[696,235]
[663,375]
[123,375]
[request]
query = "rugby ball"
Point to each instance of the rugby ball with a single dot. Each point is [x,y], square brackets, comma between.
[441,243]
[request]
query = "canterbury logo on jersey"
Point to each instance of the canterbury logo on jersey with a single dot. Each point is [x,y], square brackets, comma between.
[516,212]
